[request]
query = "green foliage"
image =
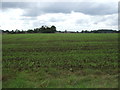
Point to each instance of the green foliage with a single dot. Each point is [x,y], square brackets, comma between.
[45,29]
[60,60]
[42,29]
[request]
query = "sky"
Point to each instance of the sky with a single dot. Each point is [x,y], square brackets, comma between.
[65,15]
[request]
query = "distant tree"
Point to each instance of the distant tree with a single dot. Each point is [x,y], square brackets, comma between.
[30,31]
[7,31]
[36,30]
[42,29]
[59,31]
[53,29]
[46,29]
[82,31]
[86,31]
[17,31]
[22,31]
[118,31]
[65,31]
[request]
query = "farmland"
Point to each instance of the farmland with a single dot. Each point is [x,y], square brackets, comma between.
[60,60]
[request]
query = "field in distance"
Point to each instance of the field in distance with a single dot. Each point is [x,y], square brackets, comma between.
[60,60]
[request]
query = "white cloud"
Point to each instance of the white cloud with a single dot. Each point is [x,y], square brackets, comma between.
[76,21]
[73,21]
[60,0]
[11,20]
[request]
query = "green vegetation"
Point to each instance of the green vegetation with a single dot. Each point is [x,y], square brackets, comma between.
[60,60]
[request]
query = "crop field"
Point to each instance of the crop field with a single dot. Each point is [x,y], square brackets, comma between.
[60,60]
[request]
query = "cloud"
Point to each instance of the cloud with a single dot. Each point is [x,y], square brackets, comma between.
[34,9]
[11,20]
[28,18]
[49,19]
[13,5]
[76,21]
[71,16]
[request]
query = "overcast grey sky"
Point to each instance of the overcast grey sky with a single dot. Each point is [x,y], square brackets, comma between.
[71,16]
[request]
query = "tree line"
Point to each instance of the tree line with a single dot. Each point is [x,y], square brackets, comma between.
[101,31]
[42,29]
[52,29]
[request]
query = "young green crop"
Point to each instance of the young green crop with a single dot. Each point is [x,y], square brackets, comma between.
[49,60]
